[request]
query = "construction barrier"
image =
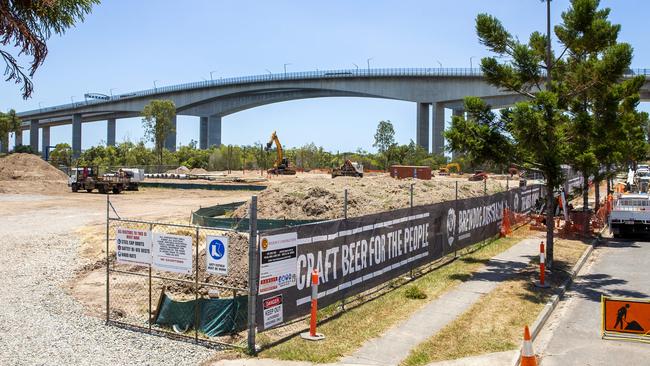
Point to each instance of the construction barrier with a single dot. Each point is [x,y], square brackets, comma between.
[625,318]
[208,217]
[211,187]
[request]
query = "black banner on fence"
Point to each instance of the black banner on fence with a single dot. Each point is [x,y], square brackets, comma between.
[357,254]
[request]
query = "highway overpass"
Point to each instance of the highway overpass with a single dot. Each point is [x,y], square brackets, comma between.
[431,89]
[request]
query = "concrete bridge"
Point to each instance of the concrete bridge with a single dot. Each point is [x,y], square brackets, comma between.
[432,89]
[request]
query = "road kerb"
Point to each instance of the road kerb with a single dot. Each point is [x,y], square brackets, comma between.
[555,299]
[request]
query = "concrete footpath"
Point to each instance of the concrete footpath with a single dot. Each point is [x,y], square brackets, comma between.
[394,345]
[572,334]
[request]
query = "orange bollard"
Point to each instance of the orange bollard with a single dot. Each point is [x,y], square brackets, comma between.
[312,335]
[505,224]
[528,357]
[542,267]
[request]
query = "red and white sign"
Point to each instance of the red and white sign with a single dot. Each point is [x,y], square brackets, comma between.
[133,246]
[272,310]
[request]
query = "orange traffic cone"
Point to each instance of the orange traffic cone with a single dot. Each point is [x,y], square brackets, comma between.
[528,357]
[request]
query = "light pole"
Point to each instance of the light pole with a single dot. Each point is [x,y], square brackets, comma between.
[111,91]
[471,66]
[211,72]
[368,63]
[269,71]
[285,69]
[439,63]
[355,65]
[155,87]
[72,99]
[40,107]
[548,60]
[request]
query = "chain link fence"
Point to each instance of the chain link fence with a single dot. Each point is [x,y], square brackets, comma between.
[197,304]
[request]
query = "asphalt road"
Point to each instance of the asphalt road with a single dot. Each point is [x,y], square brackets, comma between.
[573,335]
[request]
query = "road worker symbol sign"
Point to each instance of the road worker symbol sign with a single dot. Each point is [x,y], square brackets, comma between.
[626,317]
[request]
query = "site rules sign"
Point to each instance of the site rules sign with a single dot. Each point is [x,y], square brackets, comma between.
[133,246]
[172,253]
[278,255]
[216,255]
[626,318]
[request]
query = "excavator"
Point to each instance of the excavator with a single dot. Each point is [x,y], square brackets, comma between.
[281,164]
[445,170]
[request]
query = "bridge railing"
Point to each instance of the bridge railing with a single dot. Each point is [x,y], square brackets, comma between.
[289,76]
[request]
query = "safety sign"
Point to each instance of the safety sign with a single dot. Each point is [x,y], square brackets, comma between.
[172,253]
[278,259]
[133,246]
[626,317]
[272,310]
[216,255]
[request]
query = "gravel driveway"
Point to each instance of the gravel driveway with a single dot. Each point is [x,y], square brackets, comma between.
[41,325]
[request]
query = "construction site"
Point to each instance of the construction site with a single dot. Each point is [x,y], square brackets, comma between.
[35,190]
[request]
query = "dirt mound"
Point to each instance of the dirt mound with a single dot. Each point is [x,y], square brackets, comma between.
[180,170]
[198,171]
[28,173]
[28,167]
[321,199]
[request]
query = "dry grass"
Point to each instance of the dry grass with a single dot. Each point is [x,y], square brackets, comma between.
[347,331]
[495,323]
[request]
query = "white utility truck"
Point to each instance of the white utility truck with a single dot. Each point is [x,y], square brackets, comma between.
[630,215]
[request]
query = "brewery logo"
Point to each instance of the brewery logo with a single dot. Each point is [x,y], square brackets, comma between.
[515,202]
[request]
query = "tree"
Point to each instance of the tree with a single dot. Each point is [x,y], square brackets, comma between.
[384,138]
[157,121]
[9,123]
[61,155]
[27,25]
[592,85]
[543,131]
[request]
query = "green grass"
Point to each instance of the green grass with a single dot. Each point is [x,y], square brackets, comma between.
[347,331]
[495,323]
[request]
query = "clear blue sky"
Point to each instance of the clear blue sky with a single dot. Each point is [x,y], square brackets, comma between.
[126,45]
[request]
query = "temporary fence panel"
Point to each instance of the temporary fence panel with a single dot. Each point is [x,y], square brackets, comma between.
[162,286]
[354,255]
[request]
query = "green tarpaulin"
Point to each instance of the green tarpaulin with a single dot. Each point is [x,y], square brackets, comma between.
[216,316]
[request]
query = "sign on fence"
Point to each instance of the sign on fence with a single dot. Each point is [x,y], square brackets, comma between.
[133,246]
[216,255]
[172,253]
[277,262]
[357,254]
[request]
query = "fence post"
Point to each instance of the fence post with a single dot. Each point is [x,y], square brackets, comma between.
[150,230]
[456,209]
[345,203]
[108,203]
[196,291]
[411,193]
[252,274]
